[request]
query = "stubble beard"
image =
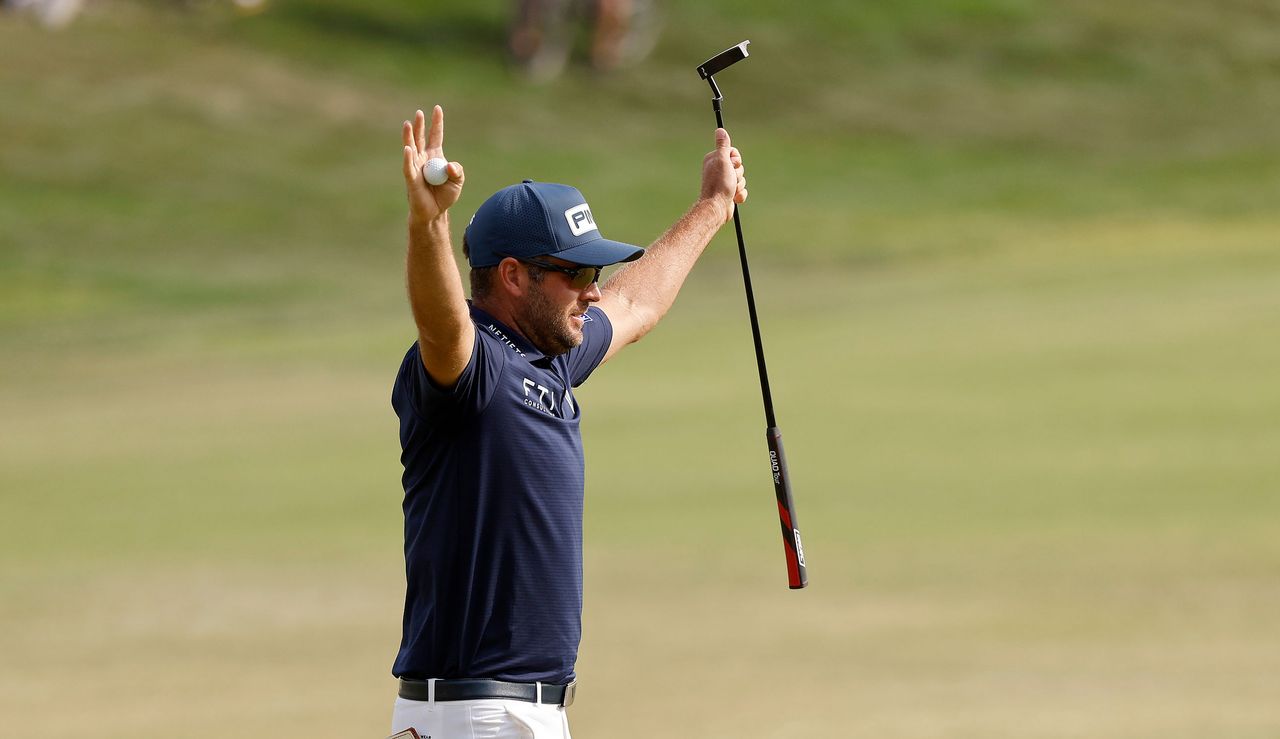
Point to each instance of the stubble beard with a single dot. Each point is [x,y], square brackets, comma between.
[550,327]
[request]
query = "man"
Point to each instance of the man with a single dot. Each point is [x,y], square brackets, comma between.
[493,465]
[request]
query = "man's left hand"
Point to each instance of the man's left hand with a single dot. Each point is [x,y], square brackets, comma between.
[724,179]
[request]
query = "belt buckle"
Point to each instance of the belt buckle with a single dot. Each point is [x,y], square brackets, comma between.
[570,691]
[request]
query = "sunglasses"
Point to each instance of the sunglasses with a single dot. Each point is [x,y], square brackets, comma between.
[579,277]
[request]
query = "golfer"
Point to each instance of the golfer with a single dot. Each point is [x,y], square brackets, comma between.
[492,455]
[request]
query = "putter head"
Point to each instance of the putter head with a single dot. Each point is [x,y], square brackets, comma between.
[726,58]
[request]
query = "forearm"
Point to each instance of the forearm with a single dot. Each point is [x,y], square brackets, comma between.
[435,289]
[445,333]
[647,287]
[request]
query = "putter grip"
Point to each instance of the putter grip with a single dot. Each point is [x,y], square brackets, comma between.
[797,577]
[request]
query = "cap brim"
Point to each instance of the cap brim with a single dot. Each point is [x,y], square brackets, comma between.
[600,253]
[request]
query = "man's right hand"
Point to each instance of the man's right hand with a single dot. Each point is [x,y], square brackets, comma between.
[428,202]
[445,331]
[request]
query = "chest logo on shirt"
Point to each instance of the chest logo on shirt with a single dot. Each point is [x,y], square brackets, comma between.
[543,398]
[539,397]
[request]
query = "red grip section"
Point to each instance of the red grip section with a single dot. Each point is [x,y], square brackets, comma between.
[797,576]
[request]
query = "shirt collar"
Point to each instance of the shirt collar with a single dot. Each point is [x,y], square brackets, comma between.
[507,335]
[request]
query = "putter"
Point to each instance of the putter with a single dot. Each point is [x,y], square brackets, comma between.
[797,577]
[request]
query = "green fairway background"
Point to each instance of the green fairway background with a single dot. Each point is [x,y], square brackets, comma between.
[1018,269]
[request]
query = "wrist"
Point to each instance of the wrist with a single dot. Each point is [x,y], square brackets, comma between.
[428,233]
[422,222]
[720,208]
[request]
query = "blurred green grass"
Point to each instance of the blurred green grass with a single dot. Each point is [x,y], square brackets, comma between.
[1017,268]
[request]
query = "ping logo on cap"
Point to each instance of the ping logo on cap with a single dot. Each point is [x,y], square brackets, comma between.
[580,220]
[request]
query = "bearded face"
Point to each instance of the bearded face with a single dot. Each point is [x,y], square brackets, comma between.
[553,325]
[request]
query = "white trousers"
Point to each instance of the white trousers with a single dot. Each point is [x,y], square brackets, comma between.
[489,718]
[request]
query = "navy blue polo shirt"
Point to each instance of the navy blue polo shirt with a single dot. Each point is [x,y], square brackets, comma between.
[493,481]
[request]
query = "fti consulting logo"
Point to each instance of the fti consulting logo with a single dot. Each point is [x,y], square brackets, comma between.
[545,400]
[580,219]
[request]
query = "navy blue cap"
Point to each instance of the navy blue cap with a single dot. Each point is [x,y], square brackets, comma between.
[535,219]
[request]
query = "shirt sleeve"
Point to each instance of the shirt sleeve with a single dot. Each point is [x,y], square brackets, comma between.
[597,334]
[416,391]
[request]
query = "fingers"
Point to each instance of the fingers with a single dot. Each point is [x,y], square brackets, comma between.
[427,140]
[435,136]
[740,175]
[456,175]
[419,131]
[406,135]
[723,144]
[410,166]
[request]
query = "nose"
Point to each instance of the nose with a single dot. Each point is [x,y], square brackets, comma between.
[591,293]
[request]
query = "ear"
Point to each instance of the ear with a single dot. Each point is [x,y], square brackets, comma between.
[511,278]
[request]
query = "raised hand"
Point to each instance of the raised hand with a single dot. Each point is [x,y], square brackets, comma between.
[724,180]
[428,202]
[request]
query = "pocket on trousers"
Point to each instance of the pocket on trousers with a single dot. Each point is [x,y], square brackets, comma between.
[494,721]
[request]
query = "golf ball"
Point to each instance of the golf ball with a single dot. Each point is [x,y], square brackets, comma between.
[436,171]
